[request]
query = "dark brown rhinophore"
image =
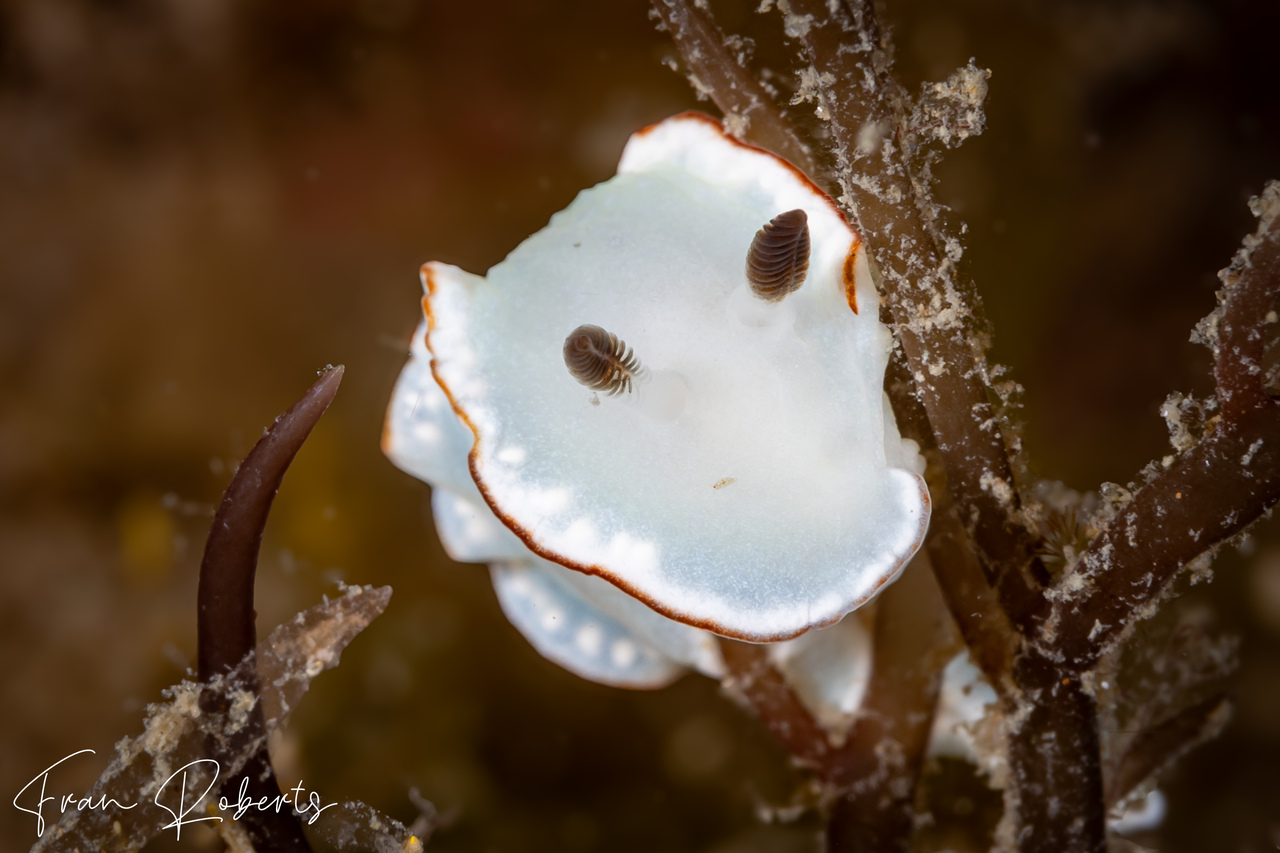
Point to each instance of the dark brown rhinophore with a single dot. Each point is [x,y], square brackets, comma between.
[779,256]
[600,360]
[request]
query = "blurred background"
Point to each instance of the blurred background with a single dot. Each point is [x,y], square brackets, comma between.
[202,202]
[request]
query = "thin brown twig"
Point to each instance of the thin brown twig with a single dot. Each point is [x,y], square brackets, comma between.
[872,774]
[715,71]
[992,640]
[993,643]
[879,766]
[1208,494]
[767,693]
[1157,747]
[226,633]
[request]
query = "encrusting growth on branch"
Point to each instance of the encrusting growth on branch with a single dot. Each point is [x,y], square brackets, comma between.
[1213,490]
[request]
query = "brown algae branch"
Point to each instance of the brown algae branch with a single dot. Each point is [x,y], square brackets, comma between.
[872,774]
[225,621]
[226,618]
[878,768]
[1055,802]
[136,795]
[764,688]
[992,640]
[993,643]
[865,108]
[1054,748]
[1157,747]
[1203,497]
[1213,490]
[714,71]
[1247,320]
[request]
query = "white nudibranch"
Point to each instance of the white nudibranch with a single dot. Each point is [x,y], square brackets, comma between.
[591,473]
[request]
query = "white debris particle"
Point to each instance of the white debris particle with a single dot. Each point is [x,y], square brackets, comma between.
[1172,410]
[997,487]
[319,662]
[1200,570]
[242,702]
[949,113]
[1250,453]
[166,722]
[1266,206]
[870,137]
[797,26]
[702,90]
[811,83]
[736,125]
[1069,587]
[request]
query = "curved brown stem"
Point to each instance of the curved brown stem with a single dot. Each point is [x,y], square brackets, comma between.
[873,773]
[226,633]
[767,693]
[992,640]
[1210,493]
[879,766]
[1160,745]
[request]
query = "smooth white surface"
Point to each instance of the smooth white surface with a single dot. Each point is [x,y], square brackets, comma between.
[829,669]
[962,702]
[578,638]
[423,437]
[600,632]
[1143,816]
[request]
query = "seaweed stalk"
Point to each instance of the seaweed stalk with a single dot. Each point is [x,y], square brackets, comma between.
[715,72]
[225,624]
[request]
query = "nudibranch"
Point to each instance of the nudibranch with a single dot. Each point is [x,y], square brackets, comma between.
[664,414]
